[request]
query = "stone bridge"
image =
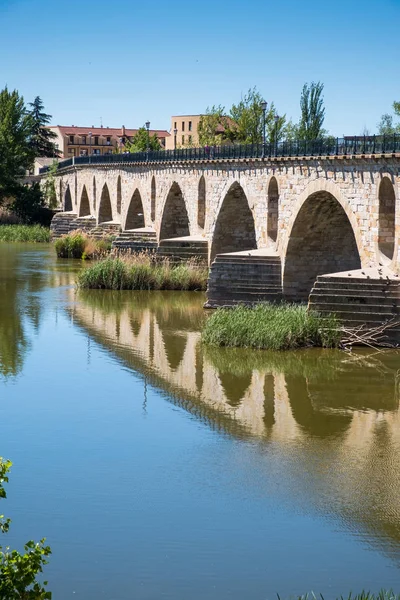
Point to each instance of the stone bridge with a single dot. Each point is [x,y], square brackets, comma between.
[268,227]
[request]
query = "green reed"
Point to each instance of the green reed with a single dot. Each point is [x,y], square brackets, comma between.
[24,233]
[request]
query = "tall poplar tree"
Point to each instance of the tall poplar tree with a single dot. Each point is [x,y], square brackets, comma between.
[312,111]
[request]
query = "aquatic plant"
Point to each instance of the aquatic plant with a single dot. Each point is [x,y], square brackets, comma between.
[79,244]
[24,233]
[271,327]
[143,272]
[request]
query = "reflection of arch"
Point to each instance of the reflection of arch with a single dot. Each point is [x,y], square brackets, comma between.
[318,423]
[175,346]
[175,220]
[234,386]
[84,207]
[153,199]
[199,367]
[273,210]
[386,229]
[201,203]
[67,200]
[234,229]
[269,400]
[105,210]
[119,195]
[135,216]
[321,241]
[94,193]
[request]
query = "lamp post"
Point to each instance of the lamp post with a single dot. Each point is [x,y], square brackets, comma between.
[90,146]
[264,106]
[276,119]
[148,140]
[175,134]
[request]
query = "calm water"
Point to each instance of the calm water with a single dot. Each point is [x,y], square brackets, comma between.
[158,469]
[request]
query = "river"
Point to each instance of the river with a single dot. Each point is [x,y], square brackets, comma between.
[157,468]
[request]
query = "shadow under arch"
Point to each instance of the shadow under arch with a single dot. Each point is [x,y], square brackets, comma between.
[67,200]
[386,220]
[272,210]
[135,214]
[175,219]
[234,229]
[105,210]
[84,206]
[201,203]
[321,241]
[94,193]
[153,199]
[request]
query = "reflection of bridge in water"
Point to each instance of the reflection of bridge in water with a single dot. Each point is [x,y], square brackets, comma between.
[334,417]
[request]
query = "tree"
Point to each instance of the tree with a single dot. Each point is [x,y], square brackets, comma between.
[246,124]
[41,138]
[386,126]
[209,124]
[18,571]
[49,186]
[141,140]
[16,152]
[312,111]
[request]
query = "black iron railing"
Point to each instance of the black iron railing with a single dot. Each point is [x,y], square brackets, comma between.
[330,146]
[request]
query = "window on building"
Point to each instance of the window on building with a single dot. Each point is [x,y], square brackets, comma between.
[183,139]
[108,140]
[71,139]
[83,139]
[175,125]
[96,151]
[190,139]
[96,140]
[190,125]
[183,125]
[71,151]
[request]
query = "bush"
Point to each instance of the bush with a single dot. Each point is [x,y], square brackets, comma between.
[143,272]
[271,327]
[78,244]
[24,233]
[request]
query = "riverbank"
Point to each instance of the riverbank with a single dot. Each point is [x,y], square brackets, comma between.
[24,233]
[271,327]
[143,272]
[78,244]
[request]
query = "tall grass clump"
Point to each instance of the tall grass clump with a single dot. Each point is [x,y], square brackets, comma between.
[143,272]
[271,327]
[24,233]
[78,244]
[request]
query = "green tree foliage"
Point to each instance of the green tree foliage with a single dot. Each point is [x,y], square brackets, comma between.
[18,572]
[386,125]
[41,138]
[49,186]
[29,203]
[312,112]
[210,124]
[16,152]
[141,140]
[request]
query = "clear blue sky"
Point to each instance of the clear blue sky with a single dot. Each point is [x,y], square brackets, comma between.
[129,62]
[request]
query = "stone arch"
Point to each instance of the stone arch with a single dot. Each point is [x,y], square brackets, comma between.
[234,229]
[84,206]
[175,220]
[321,241]
[76,189]
[272,210]
[386,220]
[105,210]
[119,194]
[94,193]
[67,200]
[135,214]
[201,203]
[153,199]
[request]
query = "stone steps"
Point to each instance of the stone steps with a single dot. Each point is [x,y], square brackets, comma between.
[105,230]
[136,241]
[362,300]
[178,250]
[61,224]
[244,279]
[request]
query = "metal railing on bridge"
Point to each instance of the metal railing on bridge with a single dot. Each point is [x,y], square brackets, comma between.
[329,146]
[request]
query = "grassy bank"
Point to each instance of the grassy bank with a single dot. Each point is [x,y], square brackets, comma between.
[270,327]
[142,272]
[78,244]
[24,233]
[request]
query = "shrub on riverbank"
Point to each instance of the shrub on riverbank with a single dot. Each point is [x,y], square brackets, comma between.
[271,327]
[78,244]
[143,272]
[24,233]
